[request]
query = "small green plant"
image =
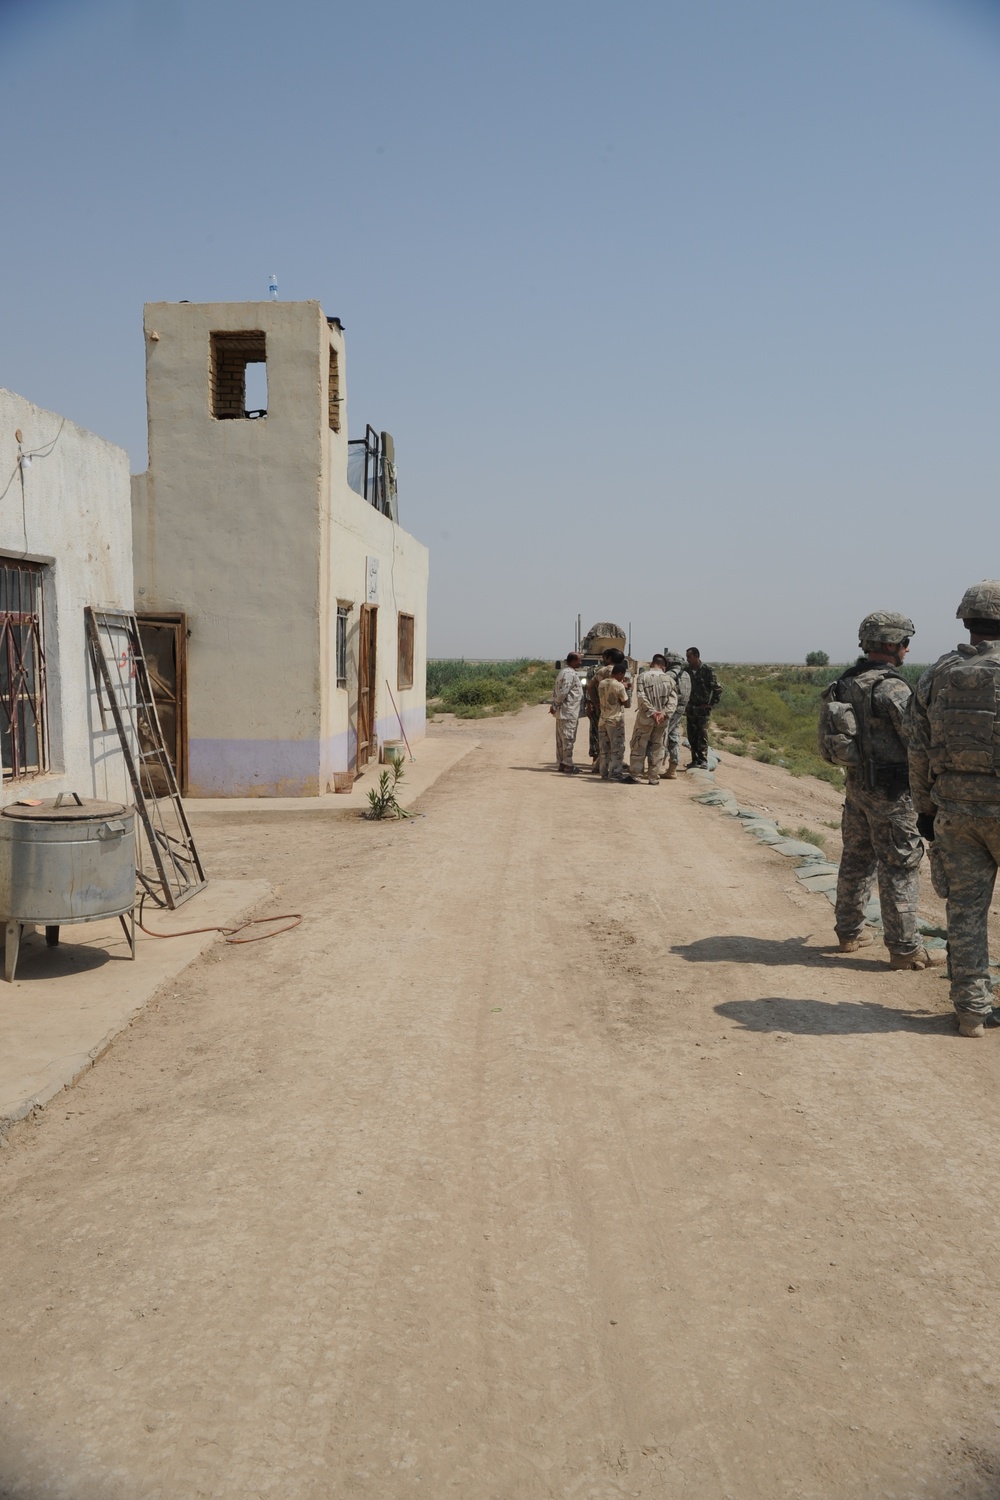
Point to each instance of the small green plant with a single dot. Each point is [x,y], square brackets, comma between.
[804,835]
[382,801]
[809,836]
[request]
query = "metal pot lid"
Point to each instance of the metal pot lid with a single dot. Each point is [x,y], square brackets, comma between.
[68,807]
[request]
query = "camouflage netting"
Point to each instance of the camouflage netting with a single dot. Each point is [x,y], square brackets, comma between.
[600,637]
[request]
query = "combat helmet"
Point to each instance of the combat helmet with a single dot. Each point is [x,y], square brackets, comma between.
[980,602]
[885,625]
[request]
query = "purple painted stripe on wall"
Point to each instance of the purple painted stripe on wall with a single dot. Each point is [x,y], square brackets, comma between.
[282,768]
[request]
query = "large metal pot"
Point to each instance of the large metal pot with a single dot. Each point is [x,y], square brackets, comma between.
[64,860]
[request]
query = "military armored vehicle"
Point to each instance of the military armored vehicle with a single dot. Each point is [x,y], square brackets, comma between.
[603,637]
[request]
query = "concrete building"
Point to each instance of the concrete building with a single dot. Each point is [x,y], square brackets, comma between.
[65,543]
[283,610]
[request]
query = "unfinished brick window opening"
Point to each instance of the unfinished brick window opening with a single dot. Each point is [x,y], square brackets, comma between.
[404,668]
[231,354]
[343,613]
[334,391]
[23,725]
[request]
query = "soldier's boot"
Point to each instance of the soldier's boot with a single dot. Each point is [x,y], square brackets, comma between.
[971,1023]
[670,774]
[851,945]
[922,959]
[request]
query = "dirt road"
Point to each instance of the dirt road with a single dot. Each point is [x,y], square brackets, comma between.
[555,1155]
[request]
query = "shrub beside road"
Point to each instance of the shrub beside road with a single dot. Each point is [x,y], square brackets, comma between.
[477,689]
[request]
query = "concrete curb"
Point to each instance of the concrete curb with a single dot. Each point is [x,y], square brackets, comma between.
[434,758]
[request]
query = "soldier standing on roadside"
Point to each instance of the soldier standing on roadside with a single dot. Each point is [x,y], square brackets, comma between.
[955,776]
[656,694]
[679,672]
[609,656]
[706,690]
[879,824]
[614,697]
[567,696]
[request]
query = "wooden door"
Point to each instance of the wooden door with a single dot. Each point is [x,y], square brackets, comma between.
[164,645]
[367,642]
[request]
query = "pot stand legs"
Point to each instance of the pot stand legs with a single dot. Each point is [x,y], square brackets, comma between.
[15,931]
[12,945]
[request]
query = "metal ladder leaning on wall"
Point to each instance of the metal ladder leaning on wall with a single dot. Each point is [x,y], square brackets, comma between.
[123,686]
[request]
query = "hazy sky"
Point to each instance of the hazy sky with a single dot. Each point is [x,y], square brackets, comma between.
[683,313]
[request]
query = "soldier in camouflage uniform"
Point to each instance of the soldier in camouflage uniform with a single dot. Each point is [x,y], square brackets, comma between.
[611,729]
[567,697]
[592,700]
[706,690]
[955,776]
[656,694]
[679,672]
[879,823]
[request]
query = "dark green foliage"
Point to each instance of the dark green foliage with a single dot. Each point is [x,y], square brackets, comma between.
[817,659]
[474,689]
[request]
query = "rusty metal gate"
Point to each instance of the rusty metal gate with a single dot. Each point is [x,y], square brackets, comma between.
[124,690]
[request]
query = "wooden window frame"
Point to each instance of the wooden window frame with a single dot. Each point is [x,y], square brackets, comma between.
[405,641]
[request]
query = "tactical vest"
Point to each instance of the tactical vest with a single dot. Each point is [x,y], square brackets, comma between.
[964,716]
[854,735]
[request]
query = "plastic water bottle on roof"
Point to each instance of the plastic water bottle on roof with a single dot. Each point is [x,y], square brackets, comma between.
[272,287]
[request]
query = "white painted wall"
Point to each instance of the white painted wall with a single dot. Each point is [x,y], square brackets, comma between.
[358,531]
[250,528]
[71,514]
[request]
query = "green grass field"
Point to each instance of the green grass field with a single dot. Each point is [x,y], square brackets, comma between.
[477,689]
[770,713]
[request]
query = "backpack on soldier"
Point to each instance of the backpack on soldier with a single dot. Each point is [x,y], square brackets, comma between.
[837,738]
[965,717]
[844,731]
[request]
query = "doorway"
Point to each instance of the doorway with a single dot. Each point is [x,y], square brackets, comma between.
[367,641]
[164,645]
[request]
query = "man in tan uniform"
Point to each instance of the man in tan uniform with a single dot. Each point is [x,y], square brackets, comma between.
[656,696]
[592,701]
[611,727]
[567,696]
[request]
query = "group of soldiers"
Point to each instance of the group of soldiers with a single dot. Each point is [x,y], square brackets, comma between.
[924,770]
[669,690]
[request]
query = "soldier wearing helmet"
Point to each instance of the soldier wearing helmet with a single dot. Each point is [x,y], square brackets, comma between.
[879,821]
[677,667]
[954,754]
